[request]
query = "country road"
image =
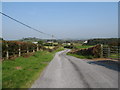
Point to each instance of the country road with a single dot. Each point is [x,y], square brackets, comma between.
[69,72]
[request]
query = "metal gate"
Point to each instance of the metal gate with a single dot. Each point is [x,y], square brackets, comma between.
[111,52]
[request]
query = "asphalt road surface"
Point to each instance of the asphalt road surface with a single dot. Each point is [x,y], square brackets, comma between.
[69,72]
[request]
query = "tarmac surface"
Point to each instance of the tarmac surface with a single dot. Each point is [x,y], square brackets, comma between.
[69,72]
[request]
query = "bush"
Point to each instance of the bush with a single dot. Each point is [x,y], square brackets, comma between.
[68,46]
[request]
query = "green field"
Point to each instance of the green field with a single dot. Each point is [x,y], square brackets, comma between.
[83,46]
[22,72]
[50,47]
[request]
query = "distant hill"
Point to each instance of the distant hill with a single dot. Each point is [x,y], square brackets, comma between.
[105,41]
[1,38]
[30,39]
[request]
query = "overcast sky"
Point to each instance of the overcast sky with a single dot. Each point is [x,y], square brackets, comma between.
[77,20]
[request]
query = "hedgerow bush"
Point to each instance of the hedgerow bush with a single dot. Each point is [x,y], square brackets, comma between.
[69,46]
[13,47]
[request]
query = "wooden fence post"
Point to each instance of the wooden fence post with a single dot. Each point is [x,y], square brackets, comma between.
[27,50]
[37,47]
[19,50]
[7,52]
[101,51]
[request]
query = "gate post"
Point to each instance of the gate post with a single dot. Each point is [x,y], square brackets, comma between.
[27,49]
[19,50]
[101,54]
[37,47]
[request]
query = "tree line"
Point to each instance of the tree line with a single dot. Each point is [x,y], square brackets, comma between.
[105,41]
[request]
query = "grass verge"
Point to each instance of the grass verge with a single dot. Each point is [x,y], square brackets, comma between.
[114,56]
[22,72]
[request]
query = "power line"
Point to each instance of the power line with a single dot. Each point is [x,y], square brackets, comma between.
[26,25]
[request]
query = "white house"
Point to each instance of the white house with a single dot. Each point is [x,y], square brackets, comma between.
[35,42]
[85,41]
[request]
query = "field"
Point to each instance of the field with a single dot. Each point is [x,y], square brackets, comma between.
[22,72]
[50,47]
[83,46]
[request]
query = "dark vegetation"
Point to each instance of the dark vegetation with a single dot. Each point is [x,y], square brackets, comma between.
[106,41]
[92,49]
[1,38]
[30,39]
[69,46]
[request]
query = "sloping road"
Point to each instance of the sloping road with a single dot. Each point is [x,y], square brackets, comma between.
[69,72]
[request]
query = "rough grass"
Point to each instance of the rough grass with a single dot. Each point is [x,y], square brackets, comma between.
[22,72]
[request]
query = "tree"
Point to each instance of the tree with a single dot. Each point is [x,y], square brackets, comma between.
[40,42]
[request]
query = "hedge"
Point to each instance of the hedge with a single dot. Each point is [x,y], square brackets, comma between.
[13,47]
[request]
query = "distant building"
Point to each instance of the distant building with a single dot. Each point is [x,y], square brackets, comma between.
[49,41]
[85,42]
[35,42]
[66,44]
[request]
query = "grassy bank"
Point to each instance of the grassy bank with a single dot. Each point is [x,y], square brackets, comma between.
[80,56]
[22,72]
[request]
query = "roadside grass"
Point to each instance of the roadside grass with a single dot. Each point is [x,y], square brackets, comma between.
[83,46]
[22,72]
[0,75]
[59,49]
[81,56]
